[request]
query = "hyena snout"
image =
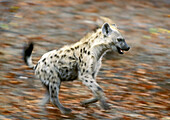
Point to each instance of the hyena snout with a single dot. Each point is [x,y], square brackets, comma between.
[125,47]
[122,46]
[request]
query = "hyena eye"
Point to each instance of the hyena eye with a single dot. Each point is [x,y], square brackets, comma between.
[120,39]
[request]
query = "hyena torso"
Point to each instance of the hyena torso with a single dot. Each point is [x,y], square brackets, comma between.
[81,61]
[68,63]
[57,64]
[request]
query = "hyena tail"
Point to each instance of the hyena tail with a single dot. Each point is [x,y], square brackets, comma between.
[27,54]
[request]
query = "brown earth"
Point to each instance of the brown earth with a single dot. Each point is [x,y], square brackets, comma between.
[137,84]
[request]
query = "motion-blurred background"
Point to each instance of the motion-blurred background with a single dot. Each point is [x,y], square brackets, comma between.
[137,83]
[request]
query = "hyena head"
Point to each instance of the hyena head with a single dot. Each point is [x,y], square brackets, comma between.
[114,39]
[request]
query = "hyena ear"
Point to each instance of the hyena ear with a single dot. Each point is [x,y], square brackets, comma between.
[106,30]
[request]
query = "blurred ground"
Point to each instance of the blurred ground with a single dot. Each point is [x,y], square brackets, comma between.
[137,83]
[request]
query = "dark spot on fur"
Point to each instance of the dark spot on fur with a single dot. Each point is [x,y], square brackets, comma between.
[99,88]
[79,59]
[81,50]
[86,80]
[77,47]
[66,70]
[45,63]
[85,51]
[56,56]
[91,81]
[51,71]
[93,74]
[90,85]
[68,50]
[87,71]
[72,58]
[72,48]
[83,70]
[51,57]
[63,56]
[43,59]
[81,55]
[88,53]
[84,64]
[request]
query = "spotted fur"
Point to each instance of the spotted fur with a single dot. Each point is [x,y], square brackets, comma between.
[81,61]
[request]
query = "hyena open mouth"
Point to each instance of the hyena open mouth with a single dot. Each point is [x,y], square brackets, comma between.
[121,51]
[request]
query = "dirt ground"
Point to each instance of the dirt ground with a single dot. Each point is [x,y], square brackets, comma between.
[137,83]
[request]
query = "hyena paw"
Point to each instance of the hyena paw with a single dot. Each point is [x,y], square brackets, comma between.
[83,103]
[66,110]
[105,106]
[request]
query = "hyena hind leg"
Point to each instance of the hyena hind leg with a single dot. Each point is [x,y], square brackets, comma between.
[45,100]
[54,92]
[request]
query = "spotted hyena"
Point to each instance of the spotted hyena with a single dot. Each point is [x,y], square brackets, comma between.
[81,61]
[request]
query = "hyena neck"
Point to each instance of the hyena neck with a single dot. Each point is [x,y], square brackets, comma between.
[99,51]
[99,48]
[95,43]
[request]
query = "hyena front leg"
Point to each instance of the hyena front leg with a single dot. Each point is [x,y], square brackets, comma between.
[97,92]
[54,92]
[89,101]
